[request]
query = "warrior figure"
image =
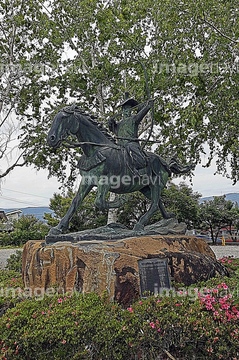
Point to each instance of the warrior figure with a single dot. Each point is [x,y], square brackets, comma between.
[126,132]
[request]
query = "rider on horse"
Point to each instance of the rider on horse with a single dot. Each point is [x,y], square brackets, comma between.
[126,131]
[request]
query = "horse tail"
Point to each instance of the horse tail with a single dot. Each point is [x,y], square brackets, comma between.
[177,168]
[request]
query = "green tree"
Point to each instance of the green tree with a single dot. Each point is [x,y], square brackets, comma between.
[218,213]
[232,220]
[183,202]
[91,52]
[86,217]
[134,206]
[12,80]
[27,227]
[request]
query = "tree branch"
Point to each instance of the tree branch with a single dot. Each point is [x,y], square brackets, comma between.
[219,31]
[8,113]
[10,168]
[214,27]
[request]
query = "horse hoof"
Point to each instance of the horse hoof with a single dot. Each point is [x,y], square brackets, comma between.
[55,231]
[138,228]
[170,216]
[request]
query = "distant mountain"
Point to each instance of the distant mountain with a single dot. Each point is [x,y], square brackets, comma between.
[38,212]
[231,196]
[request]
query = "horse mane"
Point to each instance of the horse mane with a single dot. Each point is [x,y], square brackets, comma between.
[74,109]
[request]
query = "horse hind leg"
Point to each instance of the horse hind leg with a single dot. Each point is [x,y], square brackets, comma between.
[153,193]
[164,213]
[101,203]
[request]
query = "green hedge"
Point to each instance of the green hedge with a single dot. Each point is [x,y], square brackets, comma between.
[28,227]
[197,323]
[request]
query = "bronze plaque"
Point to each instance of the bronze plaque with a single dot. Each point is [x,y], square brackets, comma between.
[154,276]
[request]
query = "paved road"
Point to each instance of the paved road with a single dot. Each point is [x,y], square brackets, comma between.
[227,250]
[220,251]
[4,255]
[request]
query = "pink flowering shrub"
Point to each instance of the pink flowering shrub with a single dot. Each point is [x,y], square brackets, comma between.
[222,308]
[200,322]
[231,263]
[89,327]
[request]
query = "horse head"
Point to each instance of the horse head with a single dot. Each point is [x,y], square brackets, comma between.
[64,123]
[75,121]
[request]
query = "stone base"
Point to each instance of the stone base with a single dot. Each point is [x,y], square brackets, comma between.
[112,266]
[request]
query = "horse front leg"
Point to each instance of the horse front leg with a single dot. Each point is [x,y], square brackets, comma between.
[63,225]
[100,202]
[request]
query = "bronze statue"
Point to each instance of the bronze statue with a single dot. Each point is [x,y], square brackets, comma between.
[126,132]
[108,166]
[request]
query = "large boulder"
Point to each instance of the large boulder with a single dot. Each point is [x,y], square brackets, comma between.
[113,266]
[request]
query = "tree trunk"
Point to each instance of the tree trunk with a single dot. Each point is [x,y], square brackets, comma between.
[112,213]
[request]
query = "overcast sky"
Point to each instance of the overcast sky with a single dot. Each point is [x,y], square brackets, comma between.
[27,187]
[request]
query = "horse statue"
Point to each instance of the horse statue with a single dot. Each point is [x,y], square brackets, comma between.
[105,165]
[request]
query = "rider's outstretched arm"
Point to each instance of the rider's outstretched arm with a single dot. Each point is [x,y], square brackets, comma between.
[141,114]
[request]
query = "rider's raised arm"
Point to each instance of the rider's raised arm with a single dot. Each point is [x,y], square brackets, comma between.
[141,114]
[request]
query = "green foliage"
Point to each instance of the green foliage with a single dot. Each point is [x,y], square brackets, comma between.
[10,278]
[218,213]
[199,322]
[90,327]
[183,202]
[10,283]
[134,206]
[88,52]
[14,262]
[232,265]
[28,227]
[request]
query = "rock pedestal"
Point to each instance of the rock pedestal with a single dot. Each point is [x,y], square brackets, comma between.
[112,266]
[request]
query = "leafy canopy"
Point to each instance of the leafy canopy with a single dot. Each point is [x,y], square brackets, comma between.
[91,52]
[218,213]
